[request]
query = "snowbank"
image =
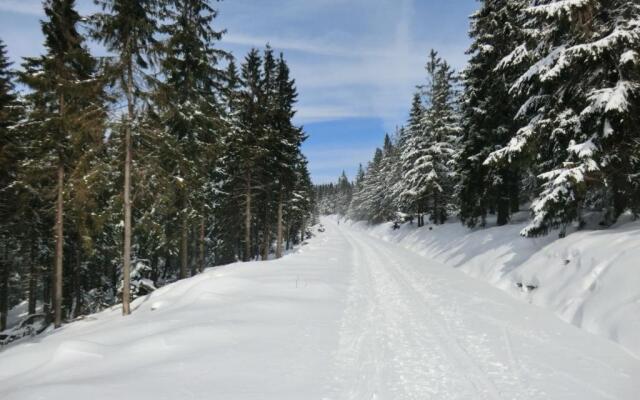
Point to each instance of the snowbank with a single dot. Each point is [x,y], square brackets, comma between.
[590,278]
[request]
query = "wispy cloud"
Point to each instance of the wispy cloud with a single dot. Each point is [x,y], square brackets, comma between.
[31,7]
[342,73]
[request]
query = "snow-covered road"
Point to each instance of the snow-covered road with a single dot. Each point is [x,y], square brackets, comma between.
[347,317]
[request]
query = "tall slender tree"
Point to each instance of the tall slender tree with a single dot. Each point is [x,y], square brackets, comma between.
[66,97]
[128,28]
[9,164]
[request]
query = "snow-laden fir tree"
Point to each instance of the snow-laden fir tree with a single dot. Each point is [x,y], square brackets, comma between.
[344,195]
[582,107]
[390,173]
[412,189]
[489,112]
[429,152]
[441,125]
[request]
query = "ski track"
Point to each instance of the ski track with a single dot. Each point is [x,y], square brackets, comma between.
[405,335]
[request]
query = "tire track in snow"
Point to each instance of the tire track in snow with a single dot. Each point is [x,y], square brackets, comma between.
[431,322]
[398,351]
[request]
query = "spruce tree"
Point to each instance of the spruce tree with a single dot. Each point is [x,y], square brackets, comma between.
[489,112]
[127,29]
[442,131]
[580,110]
[412,189]
[67,106]
[10,156]
[187,98]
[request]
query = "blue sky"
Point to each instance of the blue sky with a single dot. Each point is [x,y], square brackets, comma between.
[356,62]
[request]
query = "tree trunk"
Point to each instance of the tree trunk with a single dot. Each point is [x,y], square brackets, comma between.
[59,238]
[302,229]
[126,253]
[33,282]
[247,223]
[279,229]
[184,248]
[514,193]
[288,246]
[77,285]
[4,289]
[267,242]
[201,247]
[502,209]
[46,297]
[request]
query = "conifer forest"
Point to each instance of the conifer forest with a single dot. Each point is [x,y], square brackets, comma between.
[170,226]
[126,172]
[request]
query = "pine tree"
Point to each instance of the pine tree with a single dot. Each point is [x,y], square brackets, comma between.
[489,113]
[412,189]
[249,141]
[578,120]
[10,156]
[429,147]
[127,29]
[290,169]
[344,194]
[67,106]
[441,125]
[187,101]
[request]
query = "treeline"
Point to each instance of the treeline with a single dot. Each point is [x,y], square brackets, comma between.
[545,117]
[125,172]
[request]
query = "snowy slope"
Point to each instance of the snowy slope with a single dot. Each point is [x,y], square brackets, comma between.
[590,279]
[349,316]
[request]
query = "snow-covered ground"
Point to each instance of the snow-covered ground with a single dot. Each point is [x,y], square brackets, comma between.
[590,278]
[349,316]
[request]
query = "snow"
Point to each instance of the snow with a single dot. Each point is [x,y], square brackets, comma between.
[348,316]
[588,279]
[559,7]
[629,56]
[612,99]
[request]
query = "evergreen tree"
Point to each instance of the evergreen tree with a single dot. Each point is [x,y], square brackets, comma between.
[441,125]
[67,106]
[344,195]
[187,99]
[10,156]
[429,147]
[580,110]
[127,29]
[489,112]
[412,188]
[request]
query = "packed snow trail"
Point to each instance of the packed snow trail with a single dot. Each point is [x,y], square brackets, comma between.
[346,317]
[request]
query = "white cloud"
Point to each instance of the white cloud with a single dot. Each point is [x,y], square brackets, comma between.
[32,7]
[341,73]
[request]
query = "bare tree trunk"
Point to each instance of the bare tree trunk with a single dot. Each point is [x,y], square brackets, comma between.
[302,229]
[4,289]
[33,280]
[184,248]
[57,270]
[247,223]
[279,229]
[201,247]
[46,296]
[267,242]
[126,253]
[77,293]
